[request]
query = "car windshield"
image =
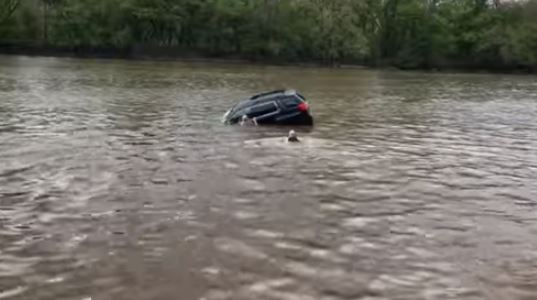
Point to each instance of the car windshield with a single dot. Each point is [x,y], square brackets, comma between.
[241,105]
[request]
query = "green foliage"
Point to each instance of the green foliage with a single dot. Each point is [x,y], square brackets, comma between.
[404,33]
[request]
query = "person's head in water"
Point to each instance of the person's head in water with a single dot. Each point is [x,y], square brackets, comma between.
[292,137]
[244,119]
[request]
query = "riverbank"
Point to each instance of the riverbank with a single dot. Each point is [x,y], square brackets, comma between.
[163,54]
[177,54]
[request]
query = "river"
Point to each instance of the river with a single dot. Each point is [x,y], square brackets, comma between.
[118,181]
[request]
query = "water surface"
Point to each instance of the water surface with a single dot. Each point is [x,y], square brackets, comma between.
[118,181]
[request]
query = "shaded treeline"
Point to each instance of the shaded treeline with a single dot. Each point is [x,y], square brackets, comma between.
[404,33]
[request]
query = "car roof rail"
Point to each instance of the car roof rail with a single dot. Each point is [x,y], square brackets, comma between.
[275,92]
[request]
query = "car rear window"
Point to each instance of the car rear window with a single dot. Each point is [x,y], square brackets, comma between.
[290,102]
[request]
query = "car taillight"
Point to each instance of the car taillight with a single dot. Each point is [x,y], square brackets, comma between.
[303,107]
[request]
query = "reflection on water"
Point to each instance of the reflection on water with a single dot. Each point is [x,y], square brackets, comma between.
[118,181]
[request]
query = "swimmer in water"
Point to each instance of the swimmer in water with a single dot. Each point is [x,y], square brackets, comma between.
[292,137]
[247,121]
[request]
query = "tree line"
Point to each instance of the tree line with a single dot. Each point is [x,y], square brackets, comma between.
[404,33]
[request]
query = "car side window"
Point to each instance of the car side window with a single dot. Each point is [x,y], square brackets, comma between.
[261,109]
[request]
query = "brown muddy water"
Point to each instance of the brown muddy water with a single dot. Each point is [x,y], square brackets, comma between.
[118,181]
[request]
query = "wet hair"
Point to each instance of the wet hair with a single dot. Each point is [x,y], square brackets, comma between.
[292,137]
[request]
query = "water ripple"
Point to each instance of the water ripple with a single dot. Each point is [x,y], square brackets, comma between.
[117,180]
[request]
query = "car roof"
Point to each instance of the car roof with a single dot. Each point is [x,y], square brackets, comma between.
[276,93]
[273,96]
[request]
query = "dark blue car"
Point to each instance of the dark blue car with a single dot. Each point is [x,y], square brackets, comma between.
[281,107]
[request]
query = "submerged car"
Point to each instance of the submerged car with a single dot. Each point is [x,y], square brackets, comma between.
[281,107]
